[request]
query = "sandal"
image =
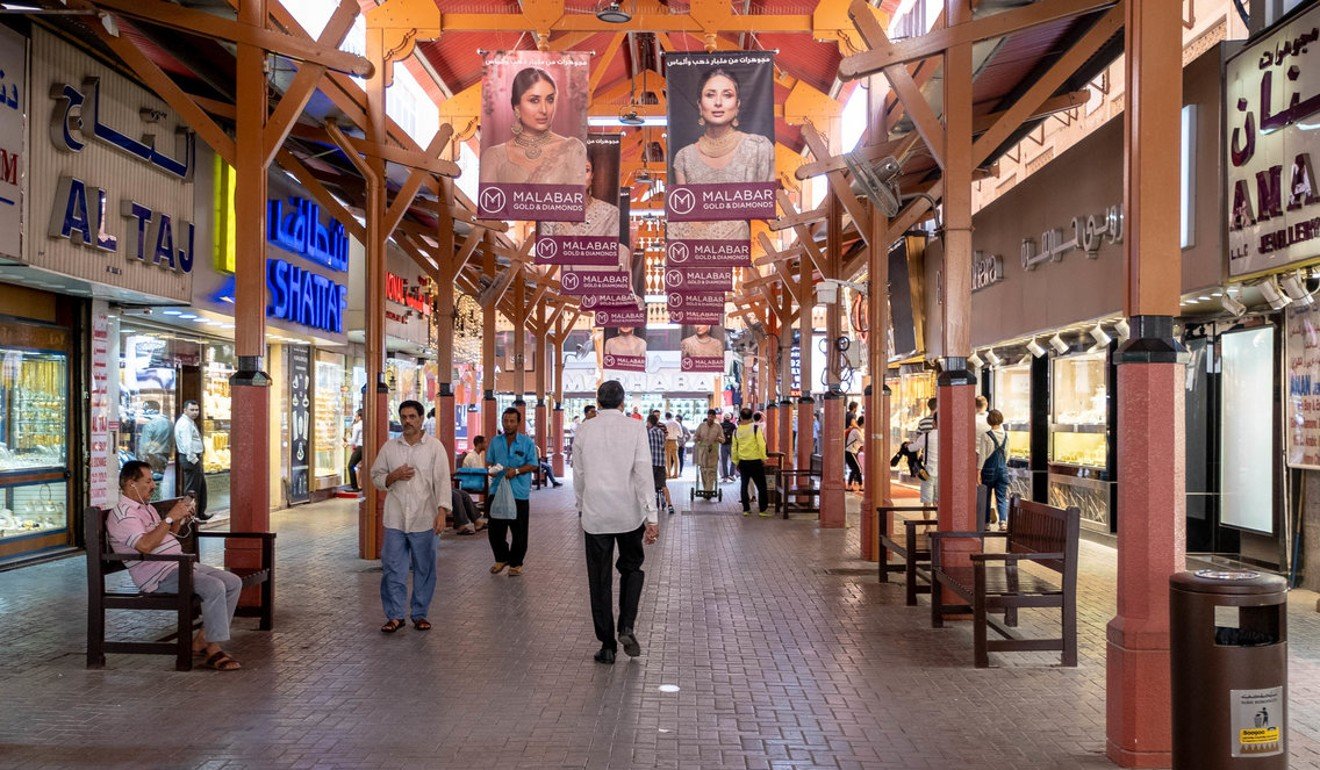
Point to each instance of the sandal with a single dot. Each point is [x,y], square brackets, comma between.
[392,626]
[220,661]
[422,624]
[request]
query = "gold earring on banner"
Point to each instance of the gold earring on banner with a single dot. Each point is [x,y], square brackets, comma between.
[735,122]
[701,121]
[517,127]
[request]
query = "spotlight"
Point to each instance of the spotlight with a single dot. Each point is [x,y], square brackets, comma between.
[975,361]
[1124,331]
[613,13]
[1269,288]
[1058,344]
[1025,360]
[1296,290]
[1035,348]
[1232,306]
[1102,339]
[991,358]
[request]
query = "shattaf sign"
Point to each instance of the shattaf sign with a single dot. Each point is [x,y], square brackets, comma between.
[708,253]
[701,281]
[621,317]
[582,283]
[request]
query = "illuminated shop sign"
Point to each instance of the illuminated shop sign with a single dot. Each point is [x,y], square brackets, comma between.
[295,225]
[399,292]
[299,296]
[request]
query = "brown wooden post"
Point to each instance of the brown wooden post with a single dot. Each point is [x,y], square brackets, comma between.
[520,343]
[249,385]
[444,310]
[557,418]
[806,406]
[1151,373]
[490,420]
[833,510]
[877,406]
[542,413]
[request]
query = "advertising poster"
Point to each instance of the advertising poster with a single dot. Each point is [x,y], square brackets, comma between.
[702,348]
[696,308]
[534,136]
[300,422]
[581,282]
[685,252]
[13,140]
[596,239]
[1272,101]
[722,137]
[625,349]
[700,281]
[1302,369]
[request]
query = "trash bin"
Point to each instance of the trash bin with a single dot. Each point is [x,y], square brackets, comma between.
[1229,652]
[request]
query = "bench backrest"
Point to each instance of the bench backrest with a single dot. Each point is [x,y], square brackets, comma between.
[1040,528]
[97,538]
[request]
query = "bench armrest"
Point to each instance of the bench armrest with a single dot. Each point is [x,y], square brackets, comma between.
[175,557]
[984,557]
[907,508]
[240,535]
[937,538]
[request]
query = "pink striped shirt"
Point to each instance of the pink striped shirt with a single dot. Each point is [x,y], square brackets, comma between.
[126,525]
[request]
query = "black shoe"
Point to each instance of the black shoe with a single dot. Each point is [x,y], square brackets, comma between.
[629,641]
[557,484]
[605,656]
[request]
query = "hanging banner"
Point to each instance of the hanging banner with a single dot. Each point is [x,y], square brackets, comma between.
[707,281]
[707,252]
[581,282]
[611,302]
[625,349]
[595,240]
[699,315]
[702,348]
[695,308]
[721,119]
[1302,370]
[13,141]
[533,136]
[621,317]
[300,421]
[1272,97]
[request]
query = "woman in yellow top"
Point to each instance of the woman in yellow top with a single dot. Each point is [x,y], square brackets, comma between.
[535,154]
[749,453]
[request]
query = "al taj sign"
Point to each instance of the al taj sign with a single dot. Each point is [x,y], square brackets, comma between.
[1272,97]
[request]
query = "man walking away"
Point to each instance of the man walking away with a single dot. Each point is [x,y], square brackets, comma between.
[188,444]
[355,451]
[726,448]
[611,480]
[749,454]
[706,453]
[655,438]
[414,469]
[673,432]
[684,437]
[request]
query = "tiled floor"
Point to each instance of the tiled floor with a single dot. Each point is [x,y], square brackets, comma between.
[786,654]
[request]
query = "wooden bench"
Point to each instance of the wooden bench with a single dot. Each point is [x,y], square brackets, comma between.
[913,545]
[101,561]
[799,490]
[994,582]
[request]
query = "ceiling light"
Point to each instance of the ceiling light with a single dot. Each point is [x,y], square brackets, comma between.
[613,13]
[1232,306]
[992,358]
[1102,339]
[1058,344]
[1294,287]
[1035,348]
[1269,288]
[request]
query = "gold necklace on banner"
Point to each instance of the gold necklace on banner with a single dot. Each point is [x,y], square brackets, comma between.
[718,148]
[531,146]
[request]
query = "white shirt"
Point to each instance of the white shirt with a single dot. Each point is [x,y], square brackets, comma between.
[612,475]
[187,439]
[412,504]
[673,431]
[355,435]
[474,459]
[985,447]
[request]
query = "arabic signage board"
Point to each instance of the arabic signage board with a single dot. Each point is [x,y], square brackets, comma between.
[111,181]
[1272,98]
[1302,371]
[300,423]
[14,109]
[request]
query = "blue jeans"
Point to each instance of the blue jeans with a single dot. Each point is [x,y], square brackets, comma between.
[400,551]
[998,485]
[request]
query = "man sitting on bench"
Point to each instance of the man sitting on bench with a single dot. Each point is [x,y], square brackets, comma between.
[134,525]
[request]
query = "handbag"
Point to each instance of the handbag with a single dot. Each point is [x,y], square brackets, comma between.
[503,506]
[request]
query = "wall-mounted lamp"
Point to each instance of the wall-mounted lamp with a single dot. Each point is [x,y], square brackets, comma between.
[1124,331]
[1269,288]
[1035,348]
[1101,337]
[1295,287]
[992,358]
[1058,344]
[1232,306]
[975,361]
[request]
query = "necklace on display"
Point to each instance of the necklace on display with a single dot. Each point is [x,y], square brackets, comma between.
[718,148]
[531,145]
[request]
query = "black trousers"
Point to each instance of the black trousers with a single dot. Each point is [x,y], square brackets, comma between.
[854,468]
[753,471]
[194,481]
[498,530]
[354,460]
[600,550]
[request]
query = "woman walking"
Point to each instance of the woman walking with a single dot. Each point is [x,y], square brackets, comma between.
[852,446]
[992,459]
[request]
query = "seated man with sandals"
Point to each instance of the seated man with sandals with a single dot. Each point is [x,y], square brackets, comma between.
[135,525]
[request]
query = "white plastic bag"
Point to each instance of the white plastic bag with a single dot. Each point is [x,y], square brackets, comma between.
[503,506]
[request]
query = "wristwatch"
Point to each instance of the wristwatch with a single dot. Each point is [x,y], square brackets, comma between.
[168,521]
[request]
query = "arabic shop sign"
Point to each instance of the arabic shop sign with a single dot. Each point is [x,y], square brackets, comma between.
[83,213]
[400,292]
[1089,233]
[297,295]
[295,226]
[987,270]
[1272,96]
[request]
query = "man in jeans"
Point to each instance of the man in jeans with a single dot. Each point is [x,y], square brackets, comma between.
[610,479]
[726,449]
[655,438]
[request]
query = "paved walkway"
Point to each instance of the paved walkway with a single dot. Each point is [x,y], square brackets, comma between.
[785,652]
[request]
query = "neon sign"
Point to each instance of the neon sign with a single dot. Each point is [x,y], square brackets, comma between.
[296,226]
[298,295]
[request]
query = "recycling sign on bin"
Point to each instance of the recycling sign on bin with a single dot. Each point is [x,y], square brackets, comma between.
[1257,722]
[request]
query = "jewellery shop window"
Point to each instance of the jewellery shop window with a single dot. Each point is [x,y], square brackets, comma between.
[34,431]
[328,415]
[216,407]
[1079,428]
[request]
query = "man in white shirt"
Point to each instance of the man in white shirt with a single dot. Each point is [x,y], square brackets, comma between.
[673,433]
[614,486]
[188,445]
[476,456]
[414,469]
[355,451]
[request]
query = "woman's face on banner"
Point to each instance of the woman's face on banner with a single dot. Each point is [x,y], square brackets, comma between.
[590,172]
[702,330]
[719,101]
[536,108]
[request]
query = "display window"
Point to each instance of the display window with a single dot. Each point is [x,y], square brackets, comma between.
[1012,391]
[217,406]
[330,409]
[149,400]
[909,393]
[34,436]
[1079,405]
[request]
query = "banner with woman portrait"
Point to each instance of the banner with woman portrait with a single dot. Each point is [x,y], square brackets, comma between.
[721,141]
[625,349]
[533,136]
[702,348]
[596,239]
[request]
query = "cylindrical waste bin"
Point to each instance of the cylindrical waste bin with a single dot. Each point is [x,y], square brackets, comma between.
[1229,651]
